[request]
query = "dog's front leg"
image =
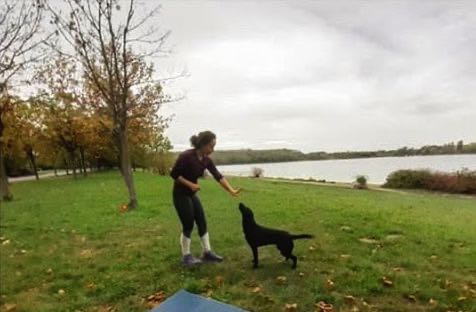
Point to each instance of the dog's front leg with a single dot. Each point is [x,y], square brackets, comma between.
[255,256]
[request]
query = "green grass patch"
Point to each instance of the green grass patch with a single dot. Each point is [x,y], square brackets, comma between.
[65,246]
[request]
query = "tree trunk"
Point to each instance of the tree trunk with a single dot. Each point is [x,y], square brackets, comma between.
[31,157]
[66,165]
[73,163]
[5,194]
[83,165]
[126,170]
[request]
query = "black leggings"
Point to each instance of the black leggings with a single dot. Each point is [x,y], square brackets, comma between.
[190,210]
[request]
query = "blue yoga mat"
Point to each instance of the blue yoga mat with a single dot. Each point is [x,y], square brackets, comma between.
[183,301]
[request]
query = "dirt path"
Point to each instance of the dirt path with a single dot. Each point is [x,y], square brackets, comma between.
[32,177]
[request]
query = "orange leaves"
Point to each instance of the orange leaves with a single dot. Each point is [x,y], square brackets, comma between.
[330,285]
[322,306]
[155,299]
[256,290]
[123,208]
[387,282]
[106,308]
[281,280]
[290,307]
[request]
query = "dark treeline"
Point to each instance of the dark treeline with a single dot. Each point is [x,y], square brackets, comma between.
[246,156]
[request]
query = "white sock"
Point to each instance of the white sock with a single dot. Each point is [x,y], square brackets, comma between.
[185,243]
[205,240]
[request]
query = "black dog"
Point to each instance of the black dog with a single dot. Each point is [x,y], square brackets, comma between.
[257,236]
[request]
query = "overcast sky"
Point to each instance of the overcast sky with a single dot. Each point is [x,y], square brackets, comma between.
[322,75]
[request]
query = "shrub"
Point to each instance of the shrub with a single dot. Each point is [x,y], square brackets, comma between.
[257,172]
[361,182]
[408,179]
[463,181]
[161,163]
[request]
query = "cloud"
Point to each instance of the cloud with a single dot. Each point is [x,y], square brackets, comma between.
[324,75]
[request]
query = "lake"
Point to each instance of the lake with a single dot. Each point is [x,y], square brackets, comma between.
[346,170]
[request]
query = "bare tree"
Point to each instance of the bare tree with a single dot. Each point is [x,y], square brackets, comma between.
[112,43]
[20,41]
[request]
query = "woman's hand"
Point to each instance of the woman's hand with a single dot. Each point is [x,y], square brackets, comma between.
[233,192]
[194,187]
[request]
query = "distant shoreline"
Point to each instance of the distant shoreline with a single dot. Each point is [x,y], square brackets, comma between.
[243,157]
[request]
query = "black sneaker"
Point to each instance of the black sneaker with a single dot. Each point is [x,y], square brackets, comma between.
[189,260]
[210,256]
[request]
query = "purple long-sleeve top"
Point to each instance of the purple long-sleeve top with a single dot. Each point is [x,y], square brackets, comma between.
[190,167]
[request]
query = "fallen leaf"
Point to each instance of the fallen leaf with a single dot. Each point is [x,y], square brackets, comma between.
[411,298]
[219,280]
[346,228]
[393,237]
[433,257]
[301,274]
[324,307]
[290,307]
[106,308]
[387,282]
[86,253]
[6,242]
[49,271]
[312,248]
[256,290]
[10,307]
[123,208]
[251,284]
[330,284]
[368,240]
[345,256]
[349,299]
[281,280]
[462,298]
[268,298]
[91,286]
[155,299]
[61,292]
[432,302]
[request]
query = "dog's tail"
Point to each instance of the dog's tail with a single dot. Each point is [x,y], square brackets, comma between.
[302,236]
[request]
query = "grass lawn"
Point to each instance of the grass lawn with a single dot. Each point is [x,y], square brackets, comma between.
[65,246]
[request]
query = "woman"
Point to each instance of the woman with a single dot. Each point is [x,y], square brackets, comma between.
[190,165]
